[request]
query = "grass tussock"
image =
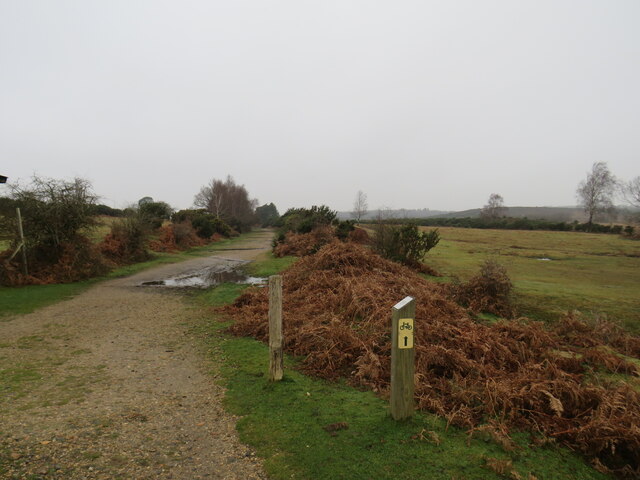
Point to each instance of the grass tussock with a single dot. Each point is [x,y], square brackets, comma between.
[517,374]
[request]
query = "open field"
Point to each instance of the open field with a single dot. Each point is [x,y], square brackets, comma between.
[102,228]
[553,272]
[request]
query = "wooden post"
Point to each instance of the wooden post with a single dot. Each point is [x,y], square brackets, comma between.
[23,245]
[276,359]
[403,356]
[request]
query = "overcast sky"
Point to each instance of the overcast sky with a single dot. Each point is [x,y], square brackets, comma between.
[420,104]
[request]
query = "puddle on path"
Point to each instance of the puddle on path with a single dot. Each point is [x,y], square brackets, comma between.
[206,277]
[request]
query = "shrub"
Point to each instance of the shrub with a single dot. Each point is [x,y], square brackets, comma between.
[404,243]
[305,230]
[185,236]
[344,228]
[205,224]
[304,220]
[177,236]
[55,211]
[489,291]
[127,242]
[155,212]
[56,216]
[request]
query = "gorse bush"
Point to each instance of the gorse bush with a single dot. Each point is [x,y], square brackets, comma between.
[205,224]
[344,229]
[304,220]
[404,243]
[154,212]
[302,231]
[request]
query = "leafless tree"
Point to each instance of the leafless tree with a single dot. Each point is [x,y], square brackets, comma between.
[210,197]
[494,208]
[360,206]
[227,201]
[595,194]
[631,192]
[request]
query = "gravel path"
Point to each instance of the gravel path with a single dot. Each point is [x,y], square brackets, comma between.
[114,384]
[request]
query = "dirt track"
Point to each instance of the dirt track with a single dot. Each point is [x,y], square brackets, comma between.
[114,384]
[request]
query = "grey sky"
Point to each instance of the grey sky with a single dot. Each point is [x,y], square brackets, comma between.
[430,104]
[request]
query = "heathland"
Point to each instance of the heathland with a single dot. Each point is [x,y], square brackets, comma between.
[553,272]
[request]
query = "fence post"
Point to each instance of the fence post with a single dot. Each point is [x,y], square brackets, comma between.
[23,245]
[276,359]
[402,358]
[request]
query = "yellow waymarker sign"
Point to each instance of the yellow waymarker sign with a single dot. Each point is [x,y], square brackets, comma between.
[405,333]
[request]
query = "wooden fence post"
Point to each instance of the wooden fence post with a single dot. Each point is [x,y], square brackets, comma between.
[23,245]
[276,359]
[403,356]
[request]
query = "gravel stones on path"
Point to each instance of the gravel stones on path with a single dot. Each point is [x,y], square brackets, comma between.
[114,384]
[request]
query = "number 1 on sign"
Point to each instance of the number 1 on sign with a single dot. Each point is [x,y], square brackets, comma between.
[405,333]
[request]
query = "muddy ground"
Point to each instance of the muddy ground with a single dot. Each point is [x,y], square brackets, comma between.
[114,383]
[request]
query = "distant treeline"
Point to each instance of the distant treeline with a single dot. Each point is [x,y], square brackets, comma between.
[510,223]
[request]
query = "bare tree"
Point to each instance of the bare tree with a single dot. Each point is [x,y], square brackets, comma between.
[631,192]
[494,208]
[210,197]
[595,194]
[360,206]
[227,201]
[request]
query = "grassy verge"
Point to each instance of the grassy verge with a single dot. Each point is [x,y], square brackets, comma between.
[308,428]
[553,272]
[22,300]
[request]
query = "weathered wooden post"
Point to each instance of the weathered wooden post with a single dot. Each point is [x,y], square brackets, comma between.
[23,245]
[403,356]
[276,359]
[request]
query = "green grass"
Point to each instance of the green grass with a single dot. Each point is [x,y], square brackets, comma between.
[21,300]
[287,422]
[284,421]
[267,265]
[593,273]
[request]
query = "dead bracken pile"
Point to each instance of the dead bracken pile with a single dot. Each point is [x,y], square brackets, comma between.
[337,307]
[301,244]
[489,291]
